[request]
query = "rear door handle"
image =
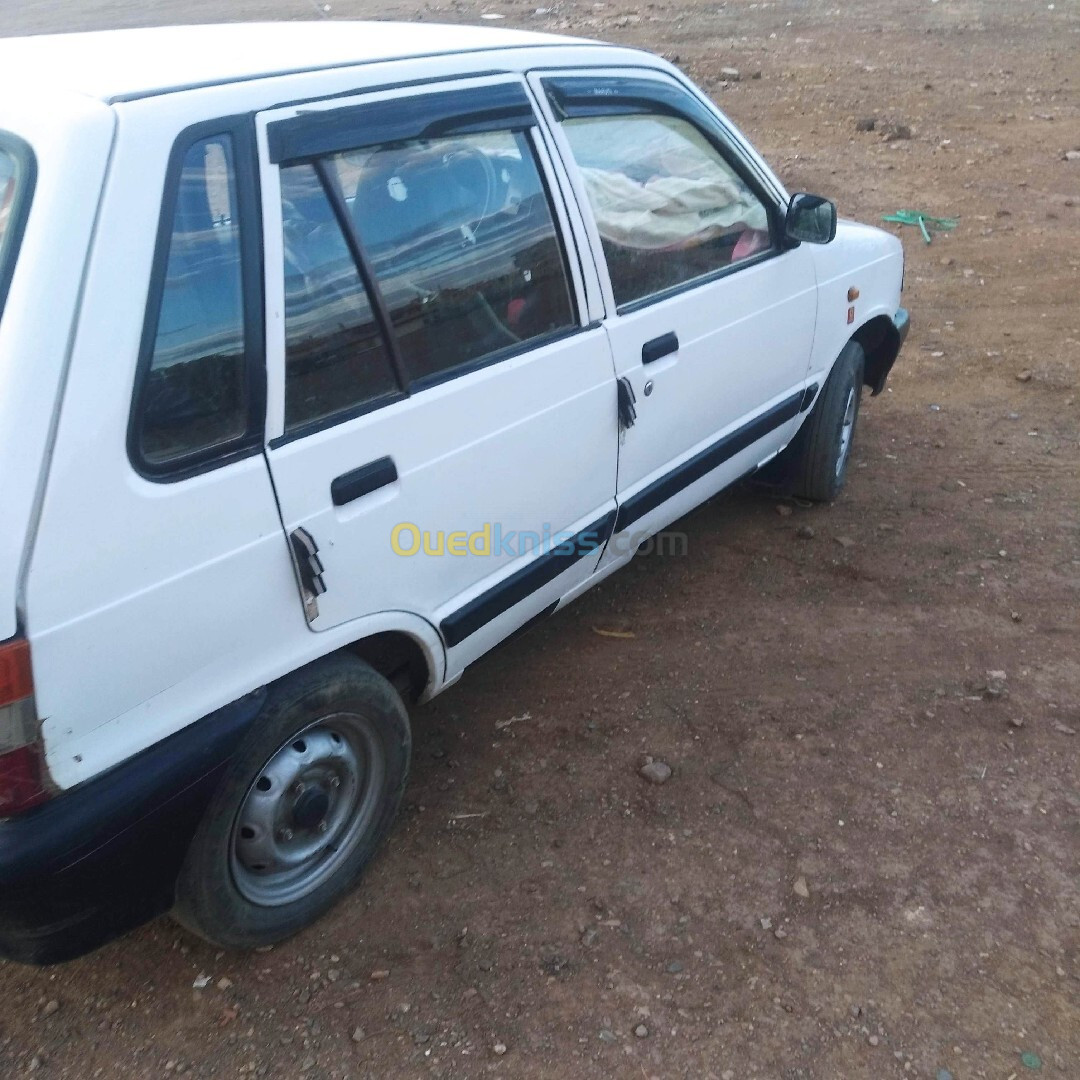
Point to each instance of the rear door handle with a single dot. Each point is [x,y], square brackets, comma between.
[362,481]
[664,345]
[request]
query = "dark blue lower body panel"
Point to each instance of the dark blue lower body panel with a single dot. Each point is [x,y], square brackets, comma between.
[103,857]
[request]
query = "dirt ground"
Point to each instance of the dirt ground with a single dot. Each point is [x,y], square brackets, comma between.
[867,860]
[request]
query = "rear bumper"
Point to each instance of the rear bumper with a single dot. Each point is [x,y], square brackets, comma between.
[103,857]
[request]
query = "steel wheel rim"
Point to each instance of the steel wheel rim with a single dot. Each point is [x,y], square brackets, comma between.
[847,429]
[306,811]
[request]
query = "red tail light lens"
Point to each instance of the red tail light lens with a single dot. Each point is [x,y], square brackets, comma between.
[21,770]
[16,680]
[20,780]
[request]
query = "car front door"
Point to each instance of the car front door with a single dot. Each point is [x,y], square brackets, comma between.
[710,317]
[441,409]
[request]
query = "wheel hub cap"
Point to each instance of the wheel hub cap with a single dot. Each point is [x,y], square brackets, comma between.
[308,808]
[847,428]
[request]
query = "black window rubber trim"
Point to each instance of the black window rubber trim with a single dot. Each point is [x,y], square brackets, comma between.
[26,181]
[467,110]
[240,129]
[469,618]
[703,463]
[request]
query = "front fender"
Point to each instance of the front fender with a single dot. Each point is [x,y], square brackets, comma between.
[859,278]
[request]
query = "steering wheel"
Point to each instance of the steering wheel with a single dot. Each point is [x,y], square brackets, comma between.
[472,170]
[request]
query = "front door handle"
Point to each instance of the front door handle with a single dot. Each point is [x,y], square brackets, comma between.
[362,481]
[664,345]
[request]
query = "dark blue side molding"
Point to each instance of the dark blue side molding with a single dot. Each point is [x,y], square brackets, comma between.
[703,463]
[457,626]
[103,857]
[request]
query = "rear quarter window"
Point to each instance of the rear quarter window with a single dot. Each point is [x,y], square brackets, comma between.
[16,189]
[199,390]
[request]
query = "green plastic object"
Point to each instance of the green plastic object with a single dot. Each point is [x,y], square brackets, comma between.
[926,222]
[1030,1060]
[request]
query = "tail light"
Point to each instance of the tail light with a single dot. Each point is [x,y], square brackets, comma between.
[21,768]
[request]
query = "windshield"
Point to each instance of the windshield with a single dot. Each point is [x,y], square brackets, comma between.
[16,166]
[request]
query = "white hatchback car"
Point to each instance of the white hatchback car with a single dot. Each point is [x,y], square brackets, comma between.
[330,356]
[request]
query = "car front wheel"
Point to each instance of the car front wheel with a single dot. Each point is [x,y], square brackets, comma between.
[821,450]
[304,805]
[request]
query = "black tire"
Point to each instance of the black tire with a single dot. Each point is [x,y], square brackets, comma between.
[317,725]
[817,471]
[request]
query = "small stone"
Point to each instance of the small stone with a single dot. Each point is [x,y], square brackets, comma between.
[378,976]
[656,772]
[50,1008]
[224,983]
[783,511]
[844,541]
[1064,729]
[804,532]
[1016,721]
[641,1031]
[588,938]
[499,1048]
[201,982]
[728,1074]
[730,73]
[607,1036]
[801,888]
[766,923]
[674,968]
[1024,376]
[944,1074]
[898,133]
[359,1035]
[1072,155]
[867,123]
[779,933]
[873,1040]
[1016,616]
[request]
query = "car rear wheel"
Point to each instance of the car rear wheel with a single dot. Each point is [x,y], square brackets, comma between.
[309,796]
[821,450]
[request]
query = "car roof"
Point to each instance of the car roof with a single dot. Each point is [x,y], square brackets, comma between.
[114,65]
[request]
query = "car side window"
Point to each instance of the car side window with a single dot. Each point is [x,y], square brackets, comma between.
[336,361]
[194,397]
[669,207]
[463,246]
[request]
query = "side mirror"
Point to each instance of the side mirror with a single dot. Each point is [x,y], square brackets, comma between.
[811,218]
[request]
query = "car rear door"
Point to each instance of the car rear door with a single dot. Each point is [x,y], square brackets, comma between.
[710,317]
[442,430]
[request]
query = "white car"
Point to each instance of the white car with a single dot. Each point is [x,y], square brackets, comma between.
[331,355]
